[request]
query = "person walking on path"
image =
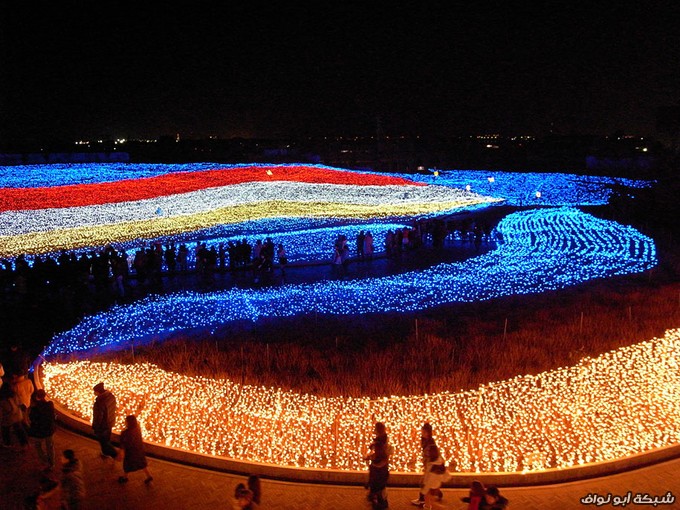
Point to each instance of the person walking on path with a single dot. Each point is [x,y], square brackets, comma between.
[72,481]
[103,419]
[344,260]
[132,445]
[283,259]
[360,245]
[23,389]
[42,427]
[368,246]
[337,262]
[378,469]
[11,417]
[435,476]
[426,441]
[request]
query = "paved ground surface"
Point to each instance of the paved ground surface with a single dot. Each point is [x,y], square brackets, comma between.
[177,486]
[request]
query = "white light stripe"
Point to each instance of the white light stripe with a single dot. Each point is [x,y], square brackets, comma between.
[28,221]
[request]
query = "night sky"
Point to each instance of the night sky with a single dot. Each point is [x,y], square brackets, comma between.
[81,70]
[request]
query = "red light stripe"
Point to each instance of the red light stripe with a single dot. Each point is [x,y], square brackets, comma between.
[14,199]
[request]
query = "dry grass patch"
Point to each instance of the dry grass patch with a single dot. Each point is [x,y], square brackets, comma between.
[452,348]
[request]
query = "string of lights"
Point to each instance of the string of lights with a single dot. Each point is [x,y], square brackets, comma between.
[532,188]
[618,404]
[62,174]
[516,188]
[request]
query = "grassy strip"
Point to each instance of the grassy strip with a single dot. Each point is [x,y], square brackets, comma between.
[455,347]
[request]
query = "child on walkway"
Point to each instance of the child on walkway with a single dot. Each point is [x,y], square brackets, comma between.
[134,458]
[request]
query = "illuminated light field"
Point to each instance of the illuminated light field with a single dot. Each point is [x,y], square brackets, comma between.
[210,199]
[520,188]
[55,174]
[81,237]
[542,249]
[516,188]
[615,405]
[78,195]
[94,215]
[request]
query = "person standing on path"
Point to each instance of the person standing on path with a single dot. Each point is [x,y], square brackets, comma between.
[378,469]
[103,419]
[435,476]
[368,246]
[360,245]
[42,427]
[283,259]
[23,389]
[11,417]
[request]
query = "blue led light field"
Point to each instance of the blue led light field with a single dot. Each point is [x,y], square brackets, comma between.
[542,250]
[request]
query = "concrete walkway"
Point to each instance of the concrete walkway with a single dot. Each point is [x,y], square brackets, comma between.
[178,486]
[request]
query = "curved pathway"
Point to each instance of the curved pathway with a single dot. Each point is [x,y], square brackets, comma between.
[178,486]
[543,249]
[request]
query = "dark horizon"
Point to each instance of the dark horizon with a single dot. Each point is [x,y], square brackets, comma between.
[73,71]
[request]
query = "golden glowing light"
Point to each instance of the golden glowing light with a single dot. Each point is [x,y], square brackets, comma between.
[623,402]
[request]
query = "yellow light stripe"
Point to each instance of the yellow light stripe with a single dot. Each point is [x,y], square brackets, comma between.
[82,237]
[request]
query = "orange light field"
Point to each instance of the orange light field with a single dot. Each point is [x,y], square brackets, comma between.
[621,403]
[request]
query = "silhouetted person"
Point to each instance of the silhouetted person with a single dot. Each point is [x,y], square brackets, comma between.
[378,469]
[103,419]
[132,445]
[42,427]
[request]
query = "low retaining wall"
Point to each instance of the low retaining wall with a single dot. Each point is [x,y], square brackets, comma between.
[397,479]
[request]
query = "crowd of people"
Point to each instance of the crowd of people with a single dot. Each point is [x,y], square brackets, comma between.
[28,420]
[108,270]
